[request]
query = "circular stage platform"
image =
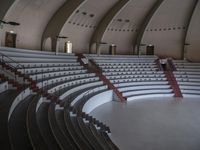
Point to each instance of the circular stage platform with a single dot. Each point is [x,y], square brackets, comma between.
[153,124]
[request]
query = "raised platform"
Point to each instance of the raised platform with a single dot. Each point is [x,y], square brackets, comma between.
[153,123]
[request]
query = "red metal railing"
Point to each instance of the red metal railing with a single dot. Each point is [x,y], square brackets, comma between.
[172,81]
[96,69]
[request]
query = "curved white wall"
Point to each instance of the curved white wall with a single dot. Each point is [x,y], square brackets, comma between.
[97,101]
[165,30]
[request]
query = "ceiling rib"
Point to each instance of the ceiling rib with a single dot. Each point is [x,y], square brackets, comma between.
[58,20]
[5,5]
[105,21]
[143,26]
[190,14]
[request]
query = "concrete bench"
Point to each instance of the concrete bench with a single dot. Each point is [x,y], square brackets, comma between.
[125,63]
[186,73]
[84,94]
[187,76]
[131,69]
[144,92]
[36,55]
[41,60]
[65,78]
[127,66]
[186,83]
[43,76]
[149,83]
[149,96]
[188,79]
[48,69]
[188,69]
[18,50]
[135,76]
[134,73]
[81,87]
[82,81]
[138,80]
[189,87]
[143,87]
[45,64]
[196,92]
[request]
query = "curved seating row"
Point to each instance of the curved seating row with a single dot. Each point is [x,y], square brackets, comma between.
[44,64]
[125,63]
[127,66]
[90,56]
[142,73]
[188,77]
[135,77]
[129,69]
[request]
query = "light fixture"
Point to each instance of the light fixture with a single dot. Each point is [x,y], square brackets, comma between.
[186,44]
[84,13]
[127,20]
[120,20]
[12,32]
[61,37]
[142,44]
[91,15]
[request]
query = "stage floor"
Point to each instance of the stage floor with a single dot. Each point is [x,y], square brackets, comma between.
[153,124]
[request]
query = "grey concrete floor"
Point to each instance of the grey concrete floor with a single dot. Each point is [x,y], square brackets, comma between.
[153,124]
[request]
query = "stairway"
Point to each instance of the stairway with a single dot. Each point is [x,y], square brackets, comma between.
[172,81]
[96,69]
[171,78]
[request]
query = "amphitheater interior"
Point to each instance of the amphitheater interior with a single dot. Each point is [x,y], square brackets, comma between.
[99,75]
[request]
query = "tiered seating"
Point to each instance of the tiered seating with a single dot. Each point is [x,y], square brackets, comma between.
[47,113]
[135,77]
[188,76]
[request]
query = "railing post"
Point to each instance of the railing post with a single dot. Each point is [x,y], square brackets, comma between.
[42,81]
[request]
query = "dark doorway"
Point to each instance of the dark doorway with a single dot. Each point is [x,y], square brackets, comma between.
[150,50]
[10,40]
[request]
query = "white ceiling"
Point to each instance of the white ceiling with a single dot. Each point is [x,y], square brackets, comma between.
[166,28]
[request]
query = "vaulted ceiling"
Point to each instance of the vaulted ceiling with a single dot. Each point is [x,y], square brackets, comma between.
[172,26]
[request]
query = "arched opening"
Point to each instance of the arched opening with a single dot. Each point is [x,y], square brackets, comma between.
[93,48]
[47,44]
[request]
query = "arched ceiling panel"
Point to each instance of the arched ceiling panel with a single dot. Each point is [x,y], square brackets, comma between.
[192,42]
[124,26]
[33,16]
[81,25]
[167,28]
